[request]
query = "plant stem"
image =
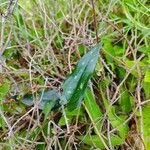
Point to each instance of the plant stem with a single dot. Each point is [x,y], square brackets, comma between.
[95,22]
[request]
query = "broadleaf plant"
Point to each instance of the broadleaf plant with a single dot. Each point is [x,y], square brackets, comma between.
[74,86]
[50,98]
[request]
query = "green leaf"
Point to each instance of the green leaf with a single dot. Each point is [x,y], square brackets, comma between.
[90,104]
[146,84]
[82,49]
[50,96]
[41,147]
[146,89]
[28,100]
[70,115]
[147,76]
[109,49]
[130,64]
[116,120]
[49,100]
[75,85]
[119,51]
[108,46]
[93,140]
[4,89]
[126,101]
[48,106]
[9,53]
[146,125]
[2,122]
[145,50]
[120,72]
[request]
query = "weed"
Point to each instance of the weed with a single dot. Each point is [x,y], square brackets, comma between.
[42,42]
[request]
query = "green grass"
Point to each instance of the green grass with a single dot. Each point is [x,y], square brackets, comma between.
[40,45]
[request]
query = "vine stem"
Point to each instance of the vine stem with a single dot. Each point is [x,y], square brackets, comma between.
[95,21]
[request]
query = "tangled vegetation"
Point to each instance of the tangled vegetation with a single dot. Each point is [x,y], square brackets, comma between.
[74,75]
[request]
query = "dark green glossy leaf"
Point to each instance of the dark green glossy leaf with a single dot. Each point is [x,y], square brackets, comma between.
[49,98]
[75,85]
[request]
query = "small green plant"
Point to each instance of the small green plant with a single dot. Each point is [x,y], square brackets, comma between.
[41,41]
[73,88]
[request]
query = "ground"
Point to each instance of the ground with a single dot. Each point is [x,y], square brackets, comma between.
[41,43]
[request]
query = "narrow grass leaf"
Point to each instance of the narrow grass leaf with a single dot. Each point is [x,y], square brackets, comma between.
[93,109]
[146,125]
